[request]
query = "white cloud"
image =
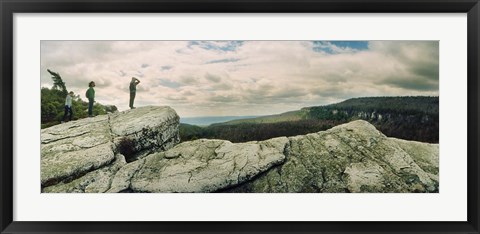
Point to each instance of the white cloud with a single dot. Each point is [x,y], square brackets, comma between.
[248,78]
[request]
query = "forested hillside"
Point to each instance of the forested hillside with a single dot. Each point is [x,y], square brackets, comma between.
[53,104]
[410,118]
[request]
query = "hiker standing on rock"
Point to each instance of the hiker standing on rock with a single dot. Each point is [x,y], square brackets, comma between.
[91,98]
[133,90]
[68,107]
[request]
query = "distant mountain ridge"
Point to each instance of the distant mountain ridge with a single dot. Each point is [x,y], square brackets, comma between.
[362,105]
[207,120]
[408,117]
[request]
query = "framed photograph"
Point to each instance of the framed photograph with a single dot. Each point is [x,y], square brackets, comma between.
[239,117]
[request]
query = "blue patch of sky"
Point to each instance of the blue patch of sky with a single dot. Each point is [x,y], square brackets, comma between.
[357,45]
[228,60]
[215,45]
[327,46]
[170,84]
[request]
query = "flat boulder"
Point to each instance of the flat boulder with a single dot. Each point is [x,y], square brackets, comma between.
[201,166]
[74,149]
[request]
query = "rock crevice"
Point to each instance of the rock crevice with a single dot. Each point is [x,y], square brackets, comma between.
[73,150]
[82,156]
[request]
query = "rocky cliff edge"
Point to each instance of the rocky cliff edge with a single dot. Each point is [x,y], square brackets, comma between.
[85,156]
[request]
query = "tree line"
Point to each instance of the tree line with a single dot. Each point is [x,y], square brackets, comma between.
[53,103]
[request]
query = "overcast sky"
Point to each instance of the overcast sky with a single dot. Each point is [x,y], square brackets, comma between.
[238,78]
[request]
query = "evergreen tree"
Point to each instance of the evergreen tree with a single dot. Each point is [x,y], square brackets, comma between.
[58,82]
[53,103]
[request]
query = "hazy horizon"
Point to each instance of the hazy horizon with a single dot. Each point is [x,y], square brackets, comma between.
[243,78]
[254,116]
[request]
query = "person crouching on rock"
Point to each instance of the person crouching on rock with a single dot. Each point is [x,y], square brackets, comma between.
[133,91]
[91,98]
[68,107]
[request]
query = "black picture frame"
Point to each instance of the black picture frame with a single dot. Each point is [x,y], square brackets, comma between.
[9,7]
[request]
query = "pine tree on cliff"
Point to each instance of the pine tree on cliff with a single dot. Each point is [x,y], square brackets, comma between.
[58,82]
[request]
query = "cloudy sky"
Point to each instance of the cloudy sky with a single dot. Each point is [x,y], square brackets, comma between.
[238,78]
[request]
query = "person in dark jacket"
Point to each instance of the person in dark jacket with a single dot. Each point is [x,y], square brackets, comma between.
[91,98]
[133,91]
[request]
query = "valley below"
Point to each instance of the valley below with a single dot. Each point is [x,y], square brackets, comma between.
[409,118]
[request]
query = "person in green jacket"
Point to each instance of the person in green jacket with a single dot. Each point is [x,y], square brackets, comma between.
[91,98]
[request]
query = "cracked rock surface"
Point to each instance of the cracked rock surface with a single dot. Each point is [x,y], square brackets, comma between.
[353,157]
[200,166]
[79,156]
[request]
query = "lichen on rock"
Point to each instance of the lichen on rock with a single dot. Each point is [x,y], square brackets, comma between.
[97,181]
[353,157]
[207,165]
[76,149]
[83,156]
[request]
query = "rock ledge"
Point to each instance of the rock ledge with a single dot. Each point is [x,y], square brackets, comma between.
[82,156]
